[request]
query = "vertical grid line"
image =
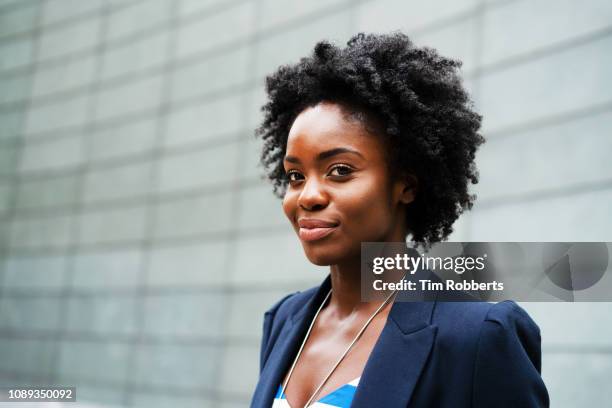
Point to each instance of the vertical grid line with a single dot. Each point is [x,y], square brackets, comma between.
[475,94]
[18,146]
[142,294]
[237,193]
[77,206]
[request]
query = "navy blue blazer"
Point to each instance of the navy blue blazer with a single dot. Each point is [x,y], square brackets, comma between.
[429,354]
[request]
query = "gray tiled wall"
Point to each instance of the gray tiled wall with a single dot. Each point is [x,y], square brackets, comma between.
[135,231]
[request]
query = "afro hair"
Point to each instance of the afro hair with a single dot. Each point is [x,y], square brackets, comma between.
[416,94]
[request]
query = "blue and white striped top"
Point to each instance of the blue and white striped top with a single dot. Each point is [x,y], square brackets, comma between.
[341,397]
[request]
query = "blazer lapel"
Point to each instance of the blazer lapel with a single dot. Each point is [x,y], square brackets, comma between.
[274,370]
[395,364]
[287,345]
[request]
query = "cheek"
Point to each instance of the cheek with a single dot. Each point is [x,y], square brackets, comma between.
[366,208]
[289,204]
[369,214]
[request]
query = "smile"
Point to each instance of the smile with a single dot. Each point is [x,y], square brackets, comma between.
[313,234]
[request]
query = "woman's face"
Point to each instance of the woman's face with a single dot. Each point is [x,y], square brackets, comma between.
[340,191]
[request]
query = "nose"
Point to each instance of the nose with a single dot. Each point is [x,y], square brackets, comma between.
[313,196]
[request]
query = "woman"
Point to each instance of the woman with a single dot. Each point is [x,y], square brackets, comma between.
[375,142]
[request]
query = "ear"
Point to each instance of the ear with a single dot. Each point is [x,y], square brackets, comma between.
[407,189]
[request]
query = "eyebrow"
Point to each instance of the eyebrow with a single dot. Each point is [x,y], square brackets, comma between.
[326,154]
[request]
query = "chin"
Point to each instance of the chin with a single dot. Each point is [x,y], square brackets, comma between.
[326,254]
[320,256]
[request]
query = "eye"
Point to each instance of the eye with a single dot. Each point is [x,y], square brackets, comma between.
[293,175]
[341,170]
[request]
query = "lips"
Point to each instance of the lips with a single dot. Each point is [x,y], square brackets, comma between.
[312,229]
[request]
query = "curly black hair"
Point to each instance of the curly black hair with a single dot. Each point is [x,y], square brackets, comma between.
[417,95]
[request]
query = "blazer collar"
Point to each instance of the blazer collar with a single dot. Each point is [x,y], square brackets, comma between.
[393,368]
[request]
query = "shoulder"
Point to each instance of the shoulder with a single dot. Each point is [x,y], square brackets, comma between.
[487,339]
[289,304]
[465,316]
[477,325]
[276,316]
[494,335]
[511,316]
[509,342]
[509,330]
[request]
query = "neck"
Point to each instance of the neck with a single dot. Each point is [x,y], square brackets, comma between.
[345,299]
[346,288]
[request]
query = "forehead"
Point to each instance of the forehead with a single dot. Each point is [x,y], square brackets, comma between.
[327,125]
